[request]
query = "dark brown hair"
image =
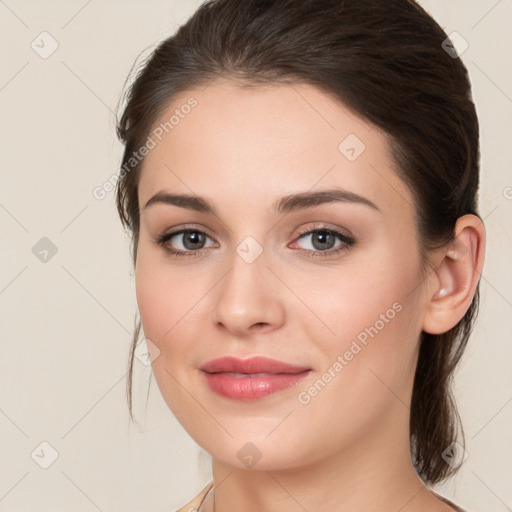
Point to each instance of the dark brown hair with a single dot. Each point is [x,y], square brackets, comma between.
[385,60]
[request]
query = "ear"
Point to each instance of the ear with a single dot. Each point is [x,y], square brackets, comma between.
[451,286]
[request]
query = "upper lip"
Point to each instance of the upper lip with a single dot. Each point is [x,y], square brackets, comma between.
[231,364]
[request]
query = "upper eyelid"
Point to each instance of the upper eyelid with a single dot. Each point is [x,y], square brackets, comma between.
[300,234]
[180,230]
[318,226]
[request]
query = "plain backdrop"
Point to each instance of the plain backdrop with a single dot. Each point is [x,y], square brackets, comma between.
[67,294]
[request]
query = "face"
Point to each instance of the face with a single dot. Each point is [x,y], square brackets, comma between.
[330,285]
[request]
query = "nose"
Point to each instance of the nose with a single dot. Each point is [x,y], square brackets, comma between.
[248,299]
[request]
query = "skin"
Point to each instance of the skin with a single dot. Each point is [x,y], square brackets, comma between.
[242,150]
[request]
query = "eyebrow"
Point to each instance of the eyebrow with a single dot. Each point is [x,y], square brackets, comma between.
[284,205]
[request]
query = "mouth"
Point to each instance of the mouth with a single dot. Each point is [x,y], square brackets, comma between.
[251,366]
[245,375]
[251,379]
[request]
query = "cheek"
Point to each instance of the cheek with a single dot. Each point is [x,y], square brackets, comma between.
[371,317]
[157,308]
[165,300]
[368,361]
[174,315]
[362,292]
[166,294]
[163,312]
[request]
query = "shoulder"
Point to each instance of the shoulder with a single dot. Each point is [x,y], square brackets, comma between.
[193,505]
[455,507]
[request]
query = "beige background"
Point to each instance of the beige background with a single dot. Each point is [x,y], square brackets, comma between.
[66,322]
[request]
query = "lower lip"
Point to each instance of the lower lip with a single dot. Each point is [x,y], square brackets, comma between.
[252,388]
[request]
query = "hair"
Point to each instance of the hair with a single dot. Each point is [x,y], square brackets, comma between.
[386,62]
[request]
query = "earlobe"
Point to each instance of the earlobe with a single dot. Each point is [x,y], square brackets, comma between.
[451,286]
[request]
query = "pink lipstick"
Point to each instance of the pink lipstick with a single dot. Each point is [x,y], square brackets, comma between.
[251,379]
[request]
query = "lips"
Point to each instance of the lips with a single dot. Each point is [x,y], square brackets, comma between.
[251,379]
[252,366]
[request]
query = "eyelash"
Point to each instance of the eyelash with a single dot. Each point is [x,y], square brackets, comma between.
[347,240]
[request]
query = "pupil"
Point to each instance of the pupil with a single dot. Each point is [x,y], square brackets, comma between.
[325,240]
[194,237]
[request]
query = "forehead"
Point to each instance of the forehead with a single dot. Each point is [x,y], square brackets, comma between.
[256,144]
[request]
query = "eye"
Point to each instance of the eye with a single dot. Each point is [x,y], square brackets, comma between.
[323,240]
[320,241]
[185,242]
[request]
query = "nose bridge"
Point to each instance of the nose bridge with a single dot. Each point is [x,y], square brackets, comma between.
[247,296]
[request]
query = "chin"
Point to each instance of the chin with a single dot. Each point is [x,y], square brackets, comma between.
[264,453]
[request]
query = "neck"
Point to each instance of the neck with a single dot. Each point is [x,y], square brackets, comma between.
[374,473]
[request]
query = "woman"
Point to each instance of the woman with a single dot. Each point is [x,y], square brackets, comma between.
[300,180]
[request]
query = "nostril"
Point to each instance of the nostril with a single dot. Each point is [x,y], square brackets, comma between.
[260,324]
